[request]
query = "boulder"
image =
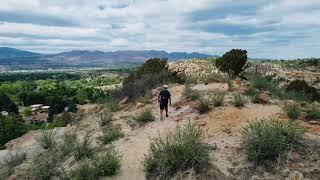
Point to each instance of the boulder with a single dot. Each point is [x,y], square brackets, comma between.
[263,99]
[139,105]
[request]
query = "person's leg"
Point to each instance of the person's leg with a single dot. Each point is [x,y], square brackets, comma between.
[161,111]
[166,107]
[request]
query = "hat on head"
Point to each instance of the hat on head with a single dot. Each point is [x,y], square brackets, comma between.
[165,86]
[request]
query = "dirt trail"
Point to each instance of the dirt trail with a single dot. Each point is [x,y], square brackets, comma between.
[221,125]
[136,143]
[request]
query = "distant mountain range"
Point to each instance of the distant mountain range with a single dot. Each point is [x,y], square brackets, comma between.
[11,58]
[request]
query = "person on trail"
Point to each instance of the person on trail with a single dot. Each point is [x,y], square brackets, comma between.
[164,98]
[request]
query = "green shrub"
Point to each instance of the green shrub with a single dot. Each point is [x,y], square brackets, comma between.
[10,162]
[85,171]
[265,140]
[47,140]
[105,118]
[293,111]
[44,166]
[264,84]
[68,145]
[145,116]
[180,150]
[111,133]
[313,113]
[253,93]
[151,74]
[233,62]
[239,100]
[27,112]
[11,127]
[62,121]
[260,82]
[109,164]
[112,104]
[218,99]
[298,96]
[191,94]
[303,86]
[203,105]
[83,149]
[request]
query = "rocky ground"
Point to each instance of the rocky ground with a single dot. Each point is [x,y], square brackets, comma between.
[222,126]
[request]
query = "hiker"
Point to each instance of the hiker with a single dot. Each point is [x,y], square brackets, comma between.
[164,98]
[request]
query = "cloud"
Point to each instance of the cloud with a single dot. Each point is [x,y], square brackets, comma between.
[269,29]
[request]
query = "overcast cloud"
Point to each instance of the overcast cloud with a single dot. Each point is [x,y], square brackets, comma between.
[266,28]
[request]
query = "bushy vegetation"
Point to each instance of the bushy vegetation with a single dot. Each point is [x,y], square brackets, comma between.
[110,132]
[253,93]
[45,166]
[10,162]
[313,113]
[106,165]
[191,94]
[61,121]
[11,127]
[203,105]
[47,139]
[68,144]
[265,140]
[145,116]
[105,118]
[218,99]
[301,86]
[239,100]
[233,62]
[263,83]
[180,150]
[293,111]
[83,149]
[6,104]
[152,73]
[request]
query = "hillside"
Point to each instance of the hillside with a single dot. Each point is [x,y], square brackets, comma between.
[222,127]
[8,53]
[17,59]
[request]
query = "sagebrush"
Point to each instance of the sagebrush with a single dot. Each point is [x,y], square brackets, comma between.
[266,140]
[180,150]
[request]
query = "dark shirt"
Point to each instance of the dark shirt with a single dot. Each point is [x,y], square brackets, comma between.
[164,96]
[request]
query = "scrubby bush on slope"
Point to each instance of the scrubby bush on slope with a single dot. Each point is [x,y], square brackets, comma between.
[106,165]
[145,116]
[301,86]
[293,111]
[180,150]
[190,94]
[265,140]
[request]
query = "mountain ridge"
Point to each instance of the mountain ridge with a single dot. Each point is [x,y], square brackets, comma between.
[11,58]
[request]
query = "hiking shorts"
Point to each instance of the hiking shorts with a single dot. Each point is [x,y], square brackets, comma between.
[163,105]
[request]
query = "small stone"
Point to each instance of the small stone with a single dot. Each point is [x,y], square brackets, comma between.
[124,101]
[295,175]
[294,157]
[139,105]
[202,123]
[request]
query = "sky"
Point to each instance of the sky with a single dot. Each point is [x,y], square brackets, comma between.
[265,28]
